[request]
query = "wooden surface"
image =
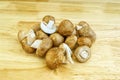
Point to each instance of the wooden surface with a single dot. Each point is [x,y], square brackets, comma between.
[104,18]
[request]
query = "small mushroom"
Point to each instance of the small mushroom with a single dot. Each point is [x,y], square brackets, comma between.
[48,25]
[44,47]
[68,52]
[66,28]
[27,47]
[57,39]
[55,57]
[85,30]
[71,41]
[84,41]
[41,35]
[82,53]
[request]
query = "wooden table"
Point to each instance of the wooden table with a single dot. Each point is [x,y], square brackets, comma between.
[104,18]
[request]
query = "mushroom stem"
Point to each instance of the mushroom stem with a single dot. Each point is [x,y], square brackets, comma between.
[68,52]
[36,44]
[30,37]
[50,24]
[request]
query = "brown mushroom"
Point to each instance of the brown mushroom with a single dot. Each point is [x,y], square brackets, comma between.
[85,30]
[41,35]
[57,39]
[45,45]
[27,47]
[55,57]
[66,28]
[82,53]
[71,41]
[84,41]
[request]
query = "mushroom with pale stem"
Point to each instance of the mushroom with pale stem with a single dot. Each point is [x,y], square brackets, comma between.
[85,30]
[71,41]
[82,53]
[45,45]
[41,35]
[48,25]
[26,39]
[68,52]
[84,41]
[66,28]
[55,57]
[57,39]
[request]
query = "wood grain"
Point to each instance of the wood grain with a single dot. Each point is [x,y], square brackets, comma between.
[104,18]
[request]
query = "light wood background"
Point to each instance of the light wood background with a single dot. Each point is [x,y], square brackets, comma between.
[102,15]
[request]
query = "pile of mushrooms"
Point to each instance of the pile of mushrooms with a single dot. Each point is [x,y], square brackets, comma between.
[58,44]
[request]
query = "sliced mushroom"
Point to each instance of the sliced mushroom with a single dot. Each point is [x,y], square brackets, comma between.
[57,39]
[82,53]
[66,28]
[48,25]
[71,41]
[41,35]
[44,47]
[84,41]
[55,57]
[85,30]
[68,52]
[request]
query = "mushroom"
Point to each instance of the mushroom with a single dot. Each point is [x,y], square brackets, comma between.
[26,39]
[82,53]
[27,47]
[71,41]
[45,45]
[41,35]
[55,57]
[66,28]
[84,41]
[85,30]
[57,39]
[48,25]
[68,52]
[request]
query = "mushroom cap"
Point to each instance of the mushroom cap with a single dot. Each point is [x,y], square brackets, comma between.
[86,31]
[47,18]
[82,53]
[55,57]
[71,41]
[26,47]
[57,39]
[44,47]
[66,28]
[84,41]
[41,35]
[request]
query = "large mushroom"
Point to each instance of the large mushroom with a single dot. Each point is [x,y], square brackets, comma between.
[48,24]
[55,57]
[66,28]
[57,39]
[85,30]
